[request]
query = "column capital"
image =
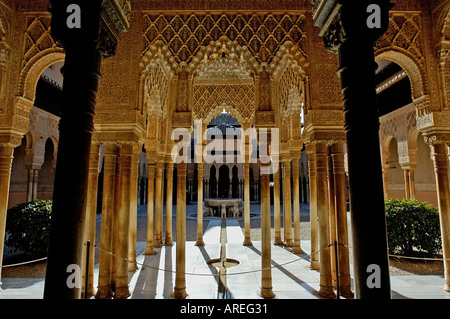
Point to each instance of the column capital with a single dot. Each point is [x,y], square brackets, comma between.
[99,21]
[340,20]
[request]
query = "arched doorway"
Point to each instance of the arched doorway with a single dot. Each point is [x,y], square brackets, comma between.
[212,182]
[224,182]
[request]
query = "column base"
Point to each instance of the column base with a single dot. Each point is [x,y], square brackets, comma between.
[297,250]
[315,265]
[327,292]
[278,242]
[267,293]
[179,293]
[289,243]
[447,287]
[149,251]
[346,292]
[247,242]
[132,266]
[122,293]
[104,293]
[90,293]
[157,244]
[168,242]
[200,242]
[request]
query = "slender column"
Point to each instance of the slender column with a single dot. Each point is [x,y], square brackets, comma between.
[118,207]
[150,202]
[81,75]
[407,185]
[123,221]
[276,208]
[180,277]
[159,183]
[331,213]
[90,223]
[287,205]
[385,181]
[30,185]
[313,206]
[247,240]
[326,284]
[35,183]
[132,265]
[341,220]
[109,175]
[295,174]
[266,262]
[169,190]
[441,164]
[200,241]
[6,158]
[356,54]
[412,184]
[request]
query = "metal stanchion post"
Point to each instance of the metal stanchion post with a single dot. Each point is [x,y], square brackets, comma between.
[337,268]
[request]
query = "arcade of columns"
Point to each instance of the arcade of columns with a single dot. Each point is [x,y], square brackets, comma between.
[263,68]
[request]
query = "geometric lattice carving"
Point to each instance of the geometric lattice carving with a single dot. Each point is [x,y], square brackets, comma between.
[262,34]
[291,92]
[405,33]
[210,98]
[37,37]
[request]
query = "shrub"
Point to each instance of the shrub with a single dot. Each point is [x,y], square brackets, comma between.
[28,228]
[412,225]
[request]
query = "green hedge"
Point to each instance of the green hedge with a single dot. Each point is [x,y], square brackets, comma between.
[28,228]
[412,226]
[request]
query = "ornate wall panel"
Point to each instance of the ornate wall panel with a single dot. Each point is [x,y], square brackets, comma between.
[210,100]
[262,34]
[37,37]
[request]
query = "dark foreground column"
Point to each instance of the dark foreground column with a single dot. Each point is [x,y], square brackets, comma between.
[77,25]
[357,72]
[81,75]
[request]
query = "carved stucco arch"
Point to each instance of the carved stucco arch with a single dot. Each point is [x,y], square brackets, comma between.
[243,67]
[415,73]
[385,146]
[157,58]
[34,68]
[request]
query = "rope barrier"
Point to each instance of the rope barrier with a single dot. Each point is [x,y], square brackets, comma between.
[213,275]
[24,263]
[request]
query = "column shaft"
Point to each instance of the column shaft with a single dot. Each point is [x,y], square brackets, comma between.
[407,185]
[200,241]
[6,158]
[313,207]
[247,240]
[132,265]
[363,150]
[81,75]
[150,209]
[332,213]
[326,284]
[440,159]
[412,184]
[109,176]
[123,223]
[287,205]
[169,190]
[295,174]
[90,223]
[159,184]
[180,277]
[276,208]
[341,220]
[266,259]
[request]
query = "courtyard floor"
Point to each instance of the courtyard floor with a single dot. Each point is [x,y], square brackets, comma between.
[292,277]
